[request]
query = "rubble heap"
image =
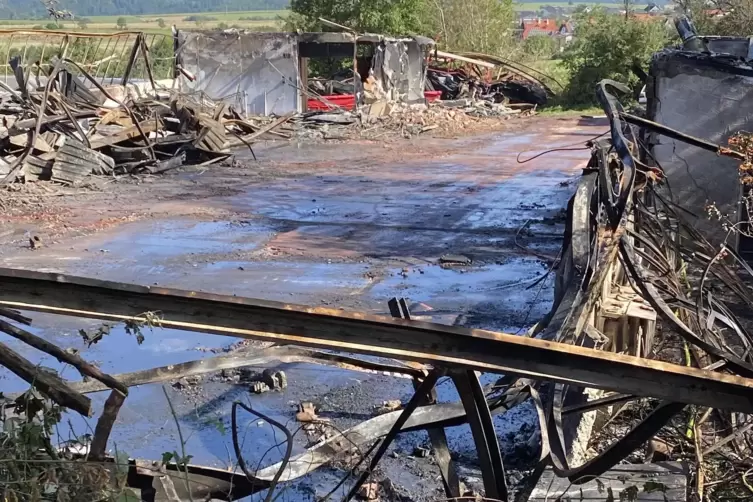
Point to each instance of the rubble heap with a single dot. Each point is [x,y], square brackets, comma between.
[382,120]
[66,130]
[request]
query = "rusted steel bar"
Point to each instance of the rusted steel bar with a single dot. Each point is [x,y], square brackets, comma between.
[480,419]
[429,382]
[375,335]
[437,436]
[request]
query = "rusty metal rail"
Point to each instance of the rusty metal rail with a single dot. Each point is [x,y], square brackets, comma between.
[367,334]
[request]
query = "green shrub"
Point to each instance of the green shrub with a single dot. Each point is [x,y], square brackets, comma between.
[608,46]
[539,47]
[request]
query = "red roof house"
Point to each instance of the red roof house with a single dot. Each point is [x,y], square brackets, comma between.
[533,27]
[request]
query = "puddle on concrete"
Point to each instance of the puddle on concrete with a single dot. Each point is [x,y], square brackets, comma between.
[279,279]
[407,214]
[139,252]
[519,199]
[145,427]
[463,287]
[161,239]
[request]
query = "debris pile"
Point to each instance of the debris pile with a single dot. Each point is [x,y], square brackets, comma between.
[384,120]
[73,127]
[442,117]
[484,78]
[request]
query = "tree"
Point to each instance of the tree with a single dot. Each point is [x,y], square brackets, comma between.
[538,47]
[161,22]
[735,16]
[736,21]
[122,23]
[470,25]
[628,7]
[222,26]
[608,46]
[395,17]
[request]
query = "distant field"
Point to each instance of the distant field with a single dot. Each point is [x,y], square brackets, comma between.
[539,5]
[254,19]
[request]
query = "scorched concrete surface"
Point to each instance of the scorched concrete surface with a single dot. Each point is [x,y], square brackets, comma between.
[347,225]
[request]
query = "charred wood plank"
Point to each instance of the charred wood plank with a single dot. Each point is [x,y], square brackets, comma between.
[126,134]
[15,316]
[74,162]
[245,140]
[27,124]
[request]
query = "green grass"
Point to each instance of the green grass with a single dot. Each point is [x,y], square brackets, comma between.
[253,19]
[555,70]
[219,16]
[561,110]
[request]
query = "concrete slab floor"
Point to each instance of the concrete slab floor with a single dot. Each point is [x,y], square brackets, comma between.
[346,225]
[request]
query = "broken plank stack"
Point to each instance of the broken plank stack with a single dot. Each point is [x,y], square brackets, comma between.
[72,127]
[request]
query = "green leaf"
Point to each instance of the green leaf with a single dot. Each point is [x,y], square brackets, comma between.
[167,457]
[221,427]
[217,424]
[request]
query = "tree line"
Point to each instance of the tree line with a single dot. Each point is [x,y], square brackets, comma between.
[604,45]
[31,9]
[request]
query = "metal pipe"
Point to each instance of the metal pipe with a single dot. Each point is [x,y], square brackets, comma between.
[690,39]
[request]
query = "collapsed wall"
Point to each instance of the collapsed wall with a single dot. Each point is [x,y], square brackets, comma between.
[709,96]
[256,72]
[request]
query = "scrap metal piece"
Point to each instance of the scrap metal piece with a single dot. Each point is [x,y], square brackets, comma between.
[437,436]
[482,427]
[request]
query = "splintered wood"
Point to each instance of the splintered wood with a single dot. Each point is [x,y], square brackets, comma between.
[73,127]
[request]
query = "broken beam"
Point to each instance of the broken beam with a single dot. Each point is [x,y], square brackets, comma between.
[48,384]
[448,346]
[449,55]
[257,358]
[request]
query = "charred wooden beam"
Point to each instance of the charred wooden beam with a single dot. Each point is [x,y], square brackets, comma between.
[367,334]
[104,425]
[47,383]
[74,360]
